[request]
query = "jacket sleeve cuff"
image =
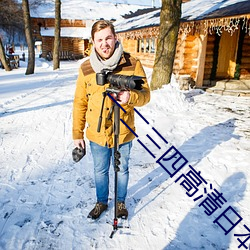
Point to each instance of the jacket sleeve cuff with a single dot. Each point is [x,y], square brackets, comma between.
[77,135]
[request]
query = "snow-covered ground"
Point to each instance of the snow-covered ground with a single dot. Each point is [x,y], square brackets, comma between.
[45,197]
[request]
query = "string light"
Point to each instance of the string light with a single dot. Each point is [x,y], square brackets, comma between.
[218,25]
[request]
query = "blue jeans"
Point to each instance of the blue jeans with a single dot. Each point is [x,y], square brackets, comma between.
[102,157]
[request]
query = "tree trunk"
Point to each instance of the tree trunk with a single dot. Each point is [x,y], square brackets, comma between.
[56,59]
[28,33]
[3,57]
[168,34]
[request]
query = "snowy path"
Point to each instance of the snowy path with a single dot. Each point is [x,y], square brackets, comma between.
[45,197]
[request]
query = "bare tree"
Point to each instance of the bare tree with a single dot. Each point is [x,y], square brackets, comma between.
[56,59]
[3,57]
[11,16]
[36,3]
[168,34]
[28,33]
[11,24]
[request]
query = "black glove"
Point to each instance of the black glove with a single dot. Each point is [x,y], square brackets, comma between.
[78,153]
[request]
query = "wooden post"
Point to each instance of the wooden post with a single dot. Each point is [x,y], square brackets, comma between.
[201,60]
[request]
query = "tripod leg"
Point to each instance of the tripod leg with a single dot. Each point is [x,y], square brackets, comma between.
[104,94]
[116,162]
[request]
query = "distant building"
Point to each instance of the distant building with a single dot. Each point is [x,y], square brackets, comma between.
[75,36]
[77,19]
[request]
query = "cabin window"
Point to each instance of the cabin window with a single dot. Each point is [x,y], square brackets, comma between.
[146,45]
[152,45]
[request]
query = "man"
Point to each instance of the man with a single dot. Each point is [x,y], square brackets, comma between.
[107,54]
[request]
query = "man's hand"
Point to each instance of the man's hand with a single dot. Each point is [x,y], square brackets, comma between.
[123,97]
[79,143]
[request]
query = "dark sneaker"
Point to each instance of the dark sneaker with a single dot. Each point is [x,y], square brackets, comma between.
[97,210]
[122,211]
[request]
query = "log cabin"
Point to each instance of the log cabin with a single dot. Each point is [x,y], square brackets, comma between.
[74,37]
[77,19]
[213,41]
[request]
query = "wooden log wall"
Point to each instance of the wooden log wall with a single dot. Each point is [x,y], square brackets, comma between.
[50,22]
[47,45]
[190,56]
[79,46]
[146,59]
[209,58]
[131,46]
[245,60]
[66,44]
[178,61]
[73,45]
[185,59]
[186,55]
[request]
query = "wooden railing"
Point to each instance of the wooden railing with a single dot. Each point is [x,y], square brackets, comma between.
[64,55]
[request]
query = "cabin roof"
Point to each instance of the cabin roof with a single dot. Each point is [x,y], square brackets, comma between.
[84,10]
[208,9]
[193,10]
[77,32]
[140,21]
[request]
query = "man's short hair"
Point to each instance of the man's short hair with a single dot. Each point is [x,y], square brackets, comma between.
[101,24]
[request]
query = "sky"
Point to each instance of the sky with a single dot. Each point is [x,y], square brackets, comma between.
[45,197]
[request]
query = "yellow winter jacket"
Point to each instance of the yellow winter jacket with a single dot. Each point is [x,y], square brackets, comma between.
[88,101]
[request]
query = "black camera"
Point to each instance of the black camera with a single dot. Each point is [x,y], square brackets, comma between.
[119,81]
[78,153]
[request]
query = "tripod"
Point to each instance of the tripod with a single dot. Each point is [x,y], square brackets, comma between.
[117,155]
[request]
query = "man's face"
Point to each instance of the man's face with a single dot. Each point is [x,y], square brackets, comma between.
[104,42]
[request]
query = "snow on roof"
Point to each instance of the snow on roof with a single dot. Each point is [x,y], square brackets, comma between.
[192,10]
[145,20]
[197,9]
[79,32]
[85,10]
